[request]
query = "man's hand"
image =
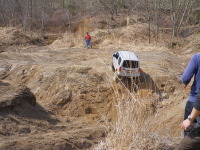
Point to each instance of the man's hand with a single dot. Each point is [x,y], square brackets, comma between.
[186,124]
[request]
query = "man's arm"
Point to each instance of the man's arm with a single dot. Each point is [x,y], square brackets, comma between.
[194,114]
[189,71]
[188,122]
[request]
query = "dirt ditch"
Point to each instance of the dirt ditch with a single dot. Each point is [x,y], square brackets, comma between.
[75,95]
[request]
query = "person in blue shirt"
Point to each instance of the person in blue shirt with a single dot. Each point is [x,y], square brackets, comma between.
[192,140]
[192,70]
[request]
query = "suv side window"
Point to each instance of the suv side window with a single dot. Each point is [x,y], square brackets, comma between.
[117,55]
[119,60]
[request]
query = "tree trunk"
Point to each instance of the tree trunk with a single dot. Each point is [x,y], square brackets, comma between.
[63,3]
[2,13]
[20,12]
[31,26]
[157,7]
[112,15]
[149,19]
[173,23]
[183,15]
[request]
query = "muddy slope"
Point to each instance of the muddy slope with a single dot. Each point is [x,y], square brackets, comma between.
[25,124]
[75,96]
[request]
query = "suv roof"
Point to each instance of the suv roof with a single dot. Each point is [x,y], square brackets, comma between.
[127,55]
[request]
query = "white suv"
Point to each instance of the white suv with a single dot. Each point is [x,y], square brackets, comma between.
[126,64]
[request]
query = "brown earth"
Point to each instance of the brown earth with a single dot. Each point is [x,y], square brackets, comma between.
[76,96]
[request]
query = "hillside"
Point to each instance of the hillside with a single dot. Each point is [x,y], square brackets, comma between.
[62,96]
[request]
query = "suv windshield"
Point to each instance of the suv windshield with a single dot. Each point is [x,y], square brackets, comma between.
[130,64]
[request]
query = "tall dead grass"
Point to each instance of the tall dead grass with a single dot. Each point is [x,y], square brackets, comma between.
[132,128]
[120,38]
[68,40]
[74,39]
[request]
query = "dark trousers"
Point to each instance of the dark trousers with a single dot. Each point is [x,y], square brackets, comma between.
[191,141]
[188,110]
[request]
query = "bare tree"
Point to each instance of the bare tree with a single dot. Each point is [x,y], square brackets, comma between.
[30,14]
[110,6]
[3,16]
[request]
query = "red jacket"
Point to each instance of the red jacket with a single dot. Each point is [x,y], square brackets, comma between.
[88,37]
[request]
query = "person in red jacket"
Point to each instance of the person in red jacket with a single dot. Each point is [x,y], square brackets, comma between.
[88,40]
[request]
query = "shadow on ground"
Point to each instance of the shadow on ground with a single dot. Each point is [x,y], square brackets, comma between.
[143,82]
[19,101]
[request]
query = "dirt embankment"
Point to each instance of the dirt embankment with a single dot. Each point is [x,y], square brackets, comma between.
[25,125]
[15,39]
[68,88]
[74,89]
[76,96]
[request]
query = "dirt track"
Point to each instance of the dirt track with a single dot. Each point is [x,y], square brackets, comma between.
[74,92]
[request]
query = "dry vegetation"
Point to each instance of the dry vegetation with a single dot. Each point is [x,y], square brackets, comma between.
[78,90]
[132,129]
[78,105]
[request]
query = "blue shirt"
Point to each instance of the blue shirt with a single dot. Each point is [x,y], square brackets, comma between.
[192,69]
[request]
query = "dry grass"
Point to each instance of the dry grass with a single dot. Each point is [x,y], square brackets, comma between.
[132,128]
[13,36]
[124,37]
[74,40]
[67,41]
[192,44]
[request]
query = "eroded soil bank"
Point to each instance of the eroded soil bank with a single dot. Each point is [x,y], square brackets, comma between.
[76,96]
